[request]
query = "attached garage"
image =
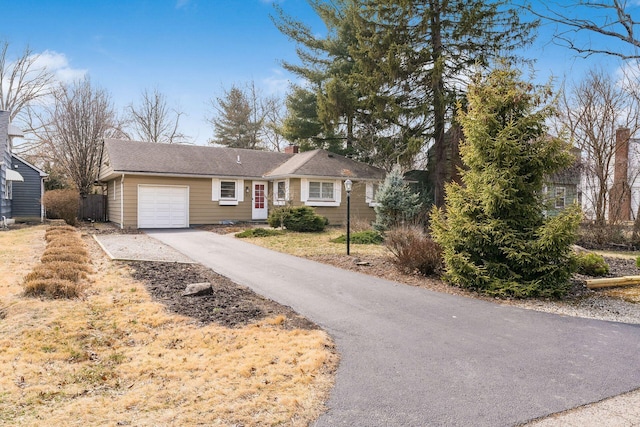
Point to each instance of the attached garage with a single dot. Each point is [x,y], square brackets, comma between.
[163,206]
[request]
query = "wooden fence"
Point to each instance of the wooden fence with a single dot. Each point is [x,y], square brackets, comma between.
[93,207]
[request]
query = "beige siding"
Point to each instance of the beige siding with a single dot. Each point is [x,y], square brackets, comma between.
[113,200]
[105,167]
[202,210]
[360,209]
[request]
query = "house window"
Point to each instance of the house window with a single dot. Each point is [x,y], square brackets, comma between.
[320,193]
[320,190]
[228,190]
[561,193]
[8,190]
[371,191]
[281,190]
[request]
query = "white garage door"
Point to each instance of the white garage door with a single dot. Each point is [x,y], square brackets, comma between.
[163,206]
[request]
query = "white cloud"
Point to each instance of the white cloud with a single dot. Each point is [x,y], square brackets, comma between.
[59,65]
[277,83]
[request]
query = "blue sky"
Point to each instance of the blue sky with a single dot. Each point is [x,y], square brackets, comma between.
[188,49]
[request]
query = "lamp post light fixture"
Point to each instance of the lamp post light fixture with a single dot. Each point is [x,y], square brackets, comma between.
[347,186]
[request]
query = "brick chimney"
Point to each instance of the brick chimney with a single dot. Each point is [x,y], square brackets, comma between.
[292,149]
[620,195]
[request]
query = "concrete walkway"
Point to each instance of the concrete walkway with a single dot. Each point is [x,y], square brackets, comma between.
[411,357]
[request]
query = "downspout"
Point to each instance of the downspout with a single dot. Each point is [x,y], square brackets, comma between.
[41,204]
[122,202]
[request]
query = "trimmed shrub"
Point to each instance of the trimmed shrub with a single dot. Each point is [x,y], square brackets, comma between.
[258,232]
[638,262]
[64,264]
[52,288]
[57,250]
[60,233]
[302,218]
[367,237]
[414,250]
[62,204]
[591,264]
[58,270]
[68,257]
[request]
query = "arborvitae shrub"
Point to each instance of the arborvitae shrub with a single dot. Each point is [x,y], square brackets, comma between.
[494,233]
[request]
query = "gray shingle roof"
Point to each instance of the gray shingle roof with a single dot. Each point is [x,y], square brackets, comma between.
[178,159]
[321,163]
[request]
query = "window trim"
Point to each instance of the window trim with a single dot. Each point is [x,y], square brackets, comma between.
[370,194]
[216,191]
[276,200]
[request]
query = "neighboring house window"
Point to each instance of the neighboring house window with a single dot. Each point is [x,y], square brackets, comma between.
[114,189]
[320,193]
[561,193]
[8,190]
[280,192]
[371,191]
[227,192]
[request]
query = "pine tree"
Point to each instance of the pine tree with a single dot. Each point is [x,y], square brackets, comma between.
[397,203]
[232,126]
[494,234]
[387,73]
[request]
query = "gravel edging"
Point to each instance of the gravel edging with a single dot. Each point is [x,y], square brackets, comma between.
[590,307]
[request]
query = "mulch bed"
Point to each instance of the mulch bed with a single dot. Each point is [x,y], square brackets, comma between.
[229,305]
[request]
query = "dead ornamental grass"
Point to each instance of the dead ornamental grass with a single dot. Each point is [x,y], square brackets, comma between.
[117,357]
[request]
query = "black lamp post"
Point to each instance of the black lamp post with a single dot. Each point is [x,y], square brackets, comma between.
[347,186]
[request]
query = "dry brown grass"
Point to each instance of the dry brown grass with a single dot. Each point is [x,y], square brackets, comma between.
[117,357]
[314,244]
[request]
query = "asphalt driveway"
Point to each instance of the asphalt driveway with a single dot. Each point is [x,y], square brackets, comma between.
[412,357]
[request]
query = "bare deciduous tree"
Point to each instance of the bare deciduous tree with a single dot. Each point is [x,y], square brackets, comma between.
[152,120]
[22,81]
[73,129]
[607,20]
[592,111]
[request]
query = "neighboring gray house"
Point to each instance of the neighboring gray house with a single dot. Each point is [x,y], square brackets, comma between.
[27,194]
[19,197]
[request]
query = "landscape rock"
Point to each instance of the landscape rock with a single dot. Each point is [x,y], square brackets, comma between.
[198,289]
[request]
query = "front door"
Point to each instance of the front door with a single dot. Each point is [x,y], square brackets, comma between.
[259,208]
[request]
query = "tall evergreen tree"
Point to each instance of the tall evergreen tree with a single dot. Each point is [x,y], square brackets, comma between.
[391,70]
[494,234]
